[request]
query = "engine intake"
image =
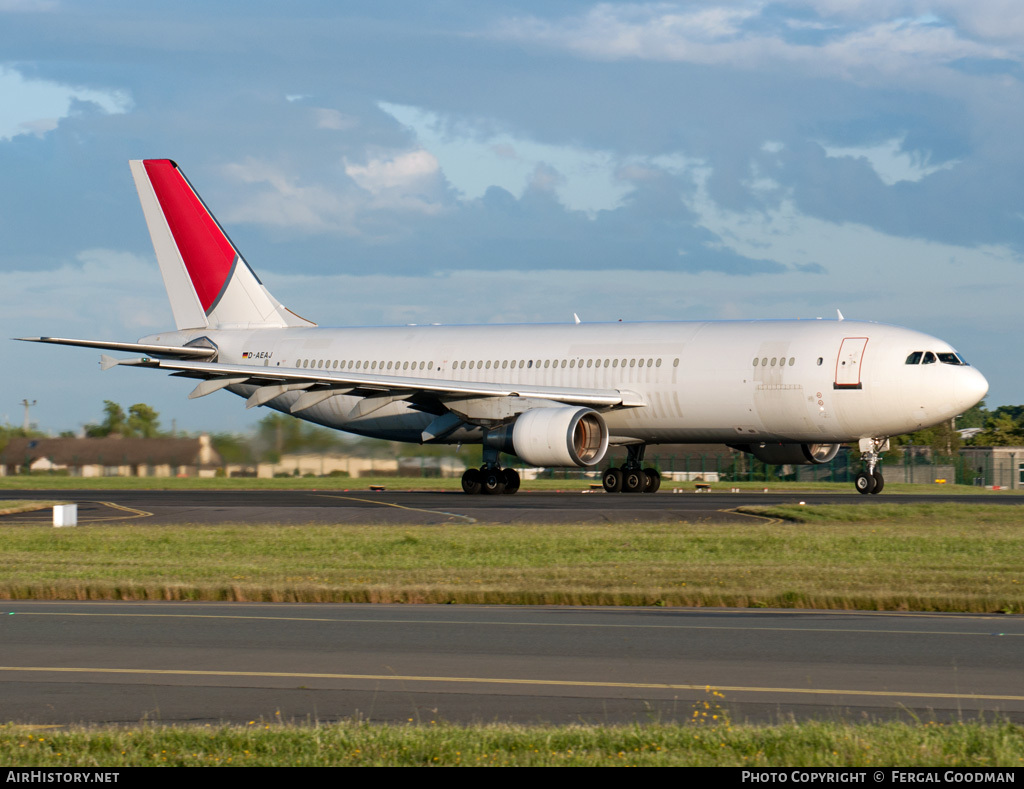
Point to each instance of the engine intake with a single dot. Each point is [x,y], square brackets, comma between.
[791,454]
[557,436]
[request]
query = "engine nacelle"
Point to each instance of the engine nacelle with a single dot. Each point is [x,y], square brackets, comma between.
[791,454]
[557,436]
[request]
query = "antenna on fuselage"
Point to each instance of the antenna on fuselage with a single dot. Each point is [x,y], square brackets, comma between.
[576,318]
[841,318]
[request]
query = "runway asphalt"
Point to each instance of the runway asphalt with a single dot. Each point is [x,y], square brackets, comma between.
[429,507]
[123,663]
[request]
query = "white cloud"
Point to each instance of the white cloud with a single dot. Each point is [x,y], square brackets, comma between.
[891,162]
[283,202]
[332,119]
[36,106]
[869,38]
[474,158]
[408,181]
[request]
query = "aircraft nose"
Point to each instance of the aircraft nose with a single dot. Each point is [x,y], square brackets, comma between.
[971,387]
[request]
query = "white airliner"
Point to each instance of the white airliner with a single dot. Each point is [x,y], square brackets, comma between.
[787,392]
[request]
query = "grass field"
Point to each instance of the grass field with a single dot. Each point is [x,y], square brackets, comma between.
[877,556]
[362,745]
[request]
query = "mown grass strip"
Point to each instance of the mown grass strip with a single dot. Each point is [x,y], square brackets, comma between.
[812,744]
[14,506]
[912,557]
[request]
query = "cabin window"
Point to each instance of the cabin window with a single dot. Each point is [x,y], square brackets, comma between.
[820,360]
[572,362]
[658,362]
[675,362]
[774,360]
[792,360]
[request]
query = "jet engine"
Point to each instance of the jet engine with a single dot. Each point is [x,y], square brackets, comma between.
[790,454]
[556,436]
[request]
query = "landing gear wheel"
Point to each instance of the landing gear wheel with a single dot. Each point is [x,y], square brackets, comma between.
[653,480]
[511,480]
[633,480]
[492,481]
[864,482]
[471,481]
[612,480]
[879,481]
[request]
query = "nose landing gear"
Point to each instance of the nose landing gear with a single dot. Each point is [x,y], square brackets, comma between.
[871,480]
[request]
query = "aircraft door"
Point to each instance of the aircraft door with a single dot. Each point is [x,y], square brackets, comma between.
[848,363]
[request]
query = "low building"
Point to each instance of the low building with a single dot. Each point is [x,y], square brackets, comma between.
[112,456]
[995,467]
[325,464]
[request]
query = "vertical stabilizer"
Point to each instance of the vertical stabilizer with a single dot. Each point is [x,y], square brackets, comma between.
[207,281]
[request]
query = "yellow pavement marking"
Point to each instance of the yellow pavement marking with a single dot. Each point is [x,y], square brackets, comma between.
[469,623]
[398,506]
[133,513]
[509,681]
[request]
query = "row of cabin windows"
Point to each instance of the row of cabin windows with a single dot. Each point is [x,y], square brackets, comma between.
[776,361]
[350,364]
[561,363]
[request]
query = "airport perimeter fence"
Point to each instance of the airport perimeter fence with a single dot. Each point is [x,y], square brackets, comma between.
[963,469]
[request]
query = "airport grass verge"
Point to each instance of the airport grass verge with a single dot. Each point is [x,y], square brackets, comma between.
[362,744]
[919,557]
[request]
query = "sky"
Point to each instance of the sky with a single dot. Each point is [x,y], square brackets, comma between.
[382,163]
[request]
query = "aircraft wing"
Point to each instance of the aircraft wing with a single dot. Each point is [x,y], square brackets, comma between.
[376,390]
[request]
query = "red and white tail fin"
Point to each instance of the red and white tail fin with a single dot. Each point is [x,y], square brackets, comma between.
[207,280]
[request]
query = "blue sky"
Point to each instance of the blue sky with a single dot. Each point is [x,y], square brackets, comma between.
[462,162]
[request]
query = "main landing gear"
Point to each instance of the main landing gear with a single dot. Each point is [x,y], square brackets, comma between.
[490,479]
[871,480]
[632,477]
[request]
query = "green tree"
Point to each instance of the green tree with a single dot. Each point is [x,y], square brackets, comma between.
[143,421]
[114,421]
[1005,427]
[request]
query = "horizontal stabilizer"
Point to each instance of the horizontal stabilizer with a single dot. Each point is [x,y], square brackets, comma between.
[169,351]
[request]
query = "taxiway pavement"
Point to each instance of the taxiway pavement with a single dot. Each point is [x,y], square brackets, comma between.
[431,507]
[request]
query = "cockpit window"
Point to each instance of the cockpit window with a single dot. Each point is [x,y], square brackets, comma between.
[929,358]
[950,358]
[915,357]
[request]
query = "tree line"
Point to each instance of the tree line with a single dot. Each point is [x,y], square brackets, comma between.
[278,434]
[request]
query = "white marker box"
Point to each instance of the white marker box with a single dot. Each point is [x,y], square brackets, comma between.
[65,515]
